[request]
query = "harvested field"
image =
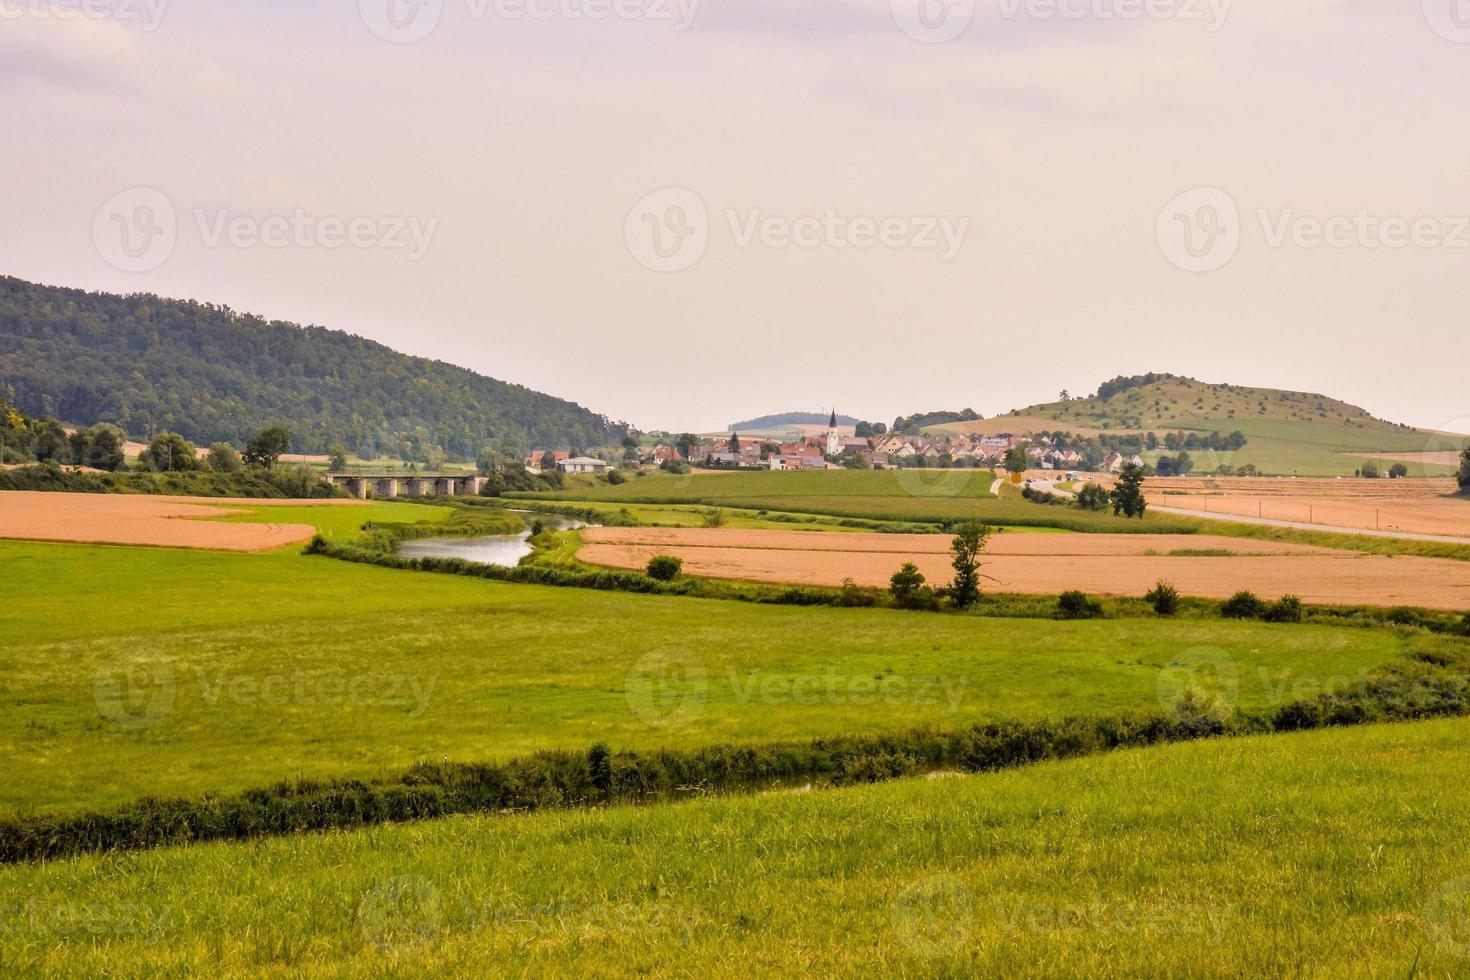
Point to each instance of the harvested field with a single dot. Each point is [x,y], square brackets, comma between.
[1049,564]
[1004,543]
[1405,506]
[165,522]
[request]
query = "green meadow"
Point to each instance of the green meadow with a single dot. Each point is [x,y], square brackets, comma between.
[933,496]
[1336,853]
[131,672]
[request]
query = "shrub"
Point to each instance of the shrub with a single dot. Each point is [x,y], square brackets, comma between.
[616,478]
[714,517]
[223,458]
[1287,609]
[908,589]
[1203,713]
[1094,496]
[1077,605]
[1243,605]
[1164,598]
[664,568]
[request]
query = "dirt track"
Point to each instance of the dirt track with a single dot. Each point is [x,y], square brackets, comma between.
[144,520]
[1048,564]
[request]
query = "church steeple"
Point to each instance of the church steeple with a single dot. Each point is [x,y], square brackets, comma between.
[833,423]
[834,443]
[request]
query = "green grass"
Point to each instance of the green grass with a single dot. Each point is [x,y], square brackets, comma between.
[245,667]
[935,496]
[1336,853]
[337,522]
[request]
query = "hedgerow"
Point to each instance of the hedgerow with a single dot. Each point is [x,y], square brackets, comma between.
[1426,686]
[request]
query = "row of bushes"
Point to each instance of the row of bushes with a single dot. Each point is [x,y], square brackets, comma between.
[1428,687]
[298,482]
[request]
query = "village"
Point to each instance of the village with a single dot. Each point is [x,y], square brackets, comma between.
[838,448]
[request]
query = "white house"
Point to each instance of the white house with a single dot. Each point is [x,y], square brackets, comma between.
[582,464]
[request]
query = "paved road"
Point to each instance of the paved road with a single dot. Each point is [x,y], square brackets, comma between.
[1049,486]
[1302,526]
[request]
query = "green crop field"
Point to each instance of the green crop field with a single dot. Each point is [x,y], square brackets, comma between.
[254,668]
[1337,853]
[934,496]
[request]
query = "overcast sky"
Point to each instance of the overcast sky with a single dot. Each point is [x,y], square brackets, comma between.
[683,214]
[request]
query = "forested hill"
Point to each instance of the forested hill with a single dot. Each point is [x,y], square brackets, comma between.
[150,364]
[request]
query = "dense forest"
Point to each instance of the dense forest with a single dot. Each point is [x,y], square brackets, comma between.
[787,419]
[149,364]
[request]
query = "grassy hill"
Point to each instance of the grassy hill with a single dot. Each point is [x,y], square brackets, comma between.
[151,364]
[1334,853]
[1289,432]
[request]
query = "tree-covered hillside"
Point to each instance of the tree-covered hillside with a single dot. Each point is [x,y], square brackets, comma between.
[150,364]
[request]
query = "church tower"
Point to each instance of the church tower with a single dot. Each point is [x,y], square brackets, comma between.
[834,444]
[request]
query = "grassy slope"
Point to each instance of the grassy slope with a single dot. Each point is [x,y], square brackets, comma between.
[247,665]
[915,495]
[1334,853]
[1289,432]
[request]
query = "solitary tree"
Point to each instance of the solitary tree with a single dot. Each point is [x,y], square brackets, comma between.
[734,446]
[100,447]
[969,542]
[1465,470]
[686,443]
[1015,460]
[337,457]
[267,447]
[907,586]
[1127,496]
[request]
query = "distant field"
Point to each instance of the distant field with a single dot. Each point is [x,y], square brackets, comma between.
[1332,854]
[903,495]
[129,672]
[1113,565]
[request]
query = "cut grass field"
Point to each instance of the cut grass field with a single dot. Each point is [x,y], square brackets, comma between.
[232,671]
[1335,853]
